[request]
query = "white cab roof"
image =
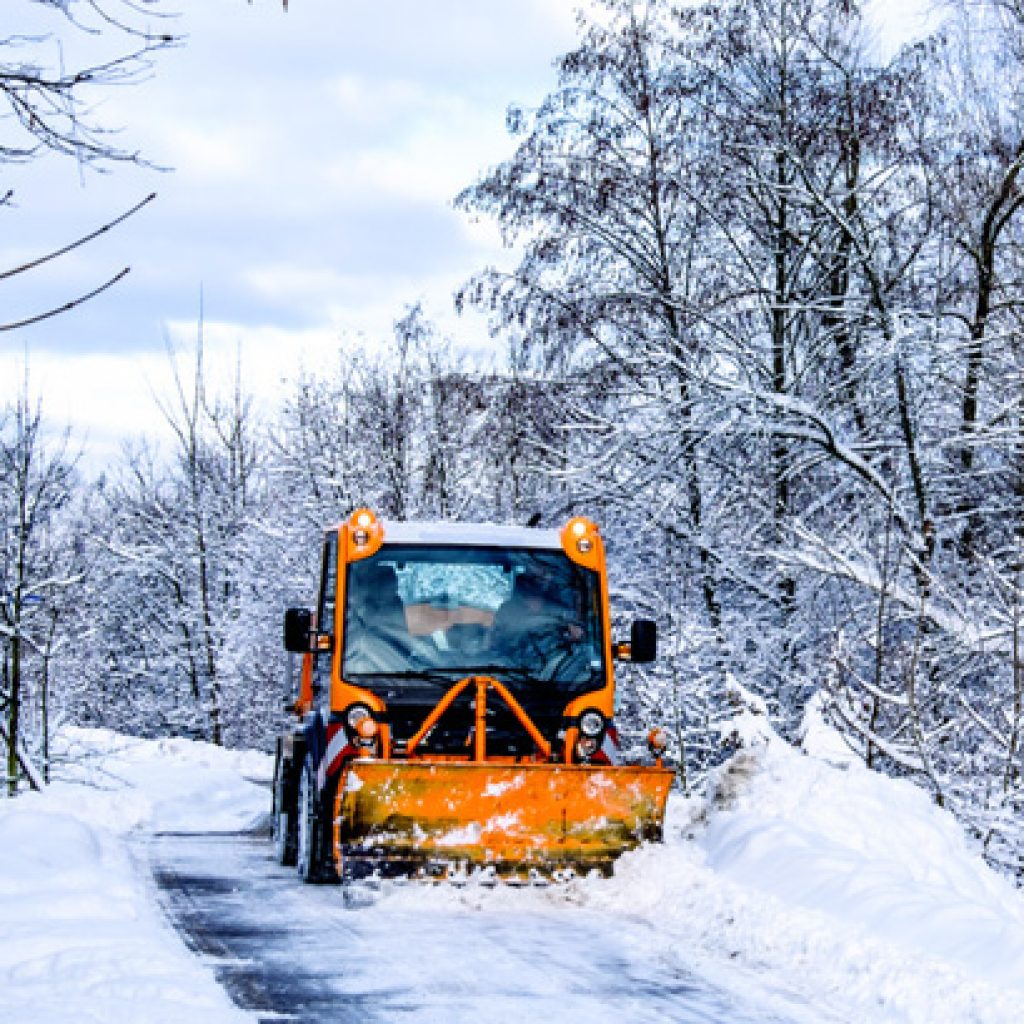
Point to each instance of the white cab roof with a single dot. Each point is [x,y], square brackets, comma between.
[470,535]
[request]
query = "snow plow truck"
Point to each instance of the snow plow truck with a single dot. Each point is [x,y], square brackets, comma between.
[455,709]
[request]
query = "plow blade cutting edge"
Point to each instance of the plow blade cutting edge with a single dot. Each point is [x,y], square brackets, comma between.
[407,818]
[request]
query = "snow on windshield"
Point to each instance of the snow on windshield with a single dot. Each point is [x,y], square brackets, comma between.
[446,584]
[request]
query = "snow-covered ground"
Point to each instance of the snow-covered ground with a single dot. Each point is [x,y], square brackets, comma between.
[802,873]
[837,882]
[81,936]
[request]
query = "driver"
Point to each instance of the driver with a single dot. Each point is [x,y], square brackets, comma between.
[534,626]
[377,638]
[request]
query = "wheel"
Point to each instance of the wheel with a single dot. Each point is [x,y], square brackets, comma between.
[307,828]
[283,819]
[313,858]
[285,831]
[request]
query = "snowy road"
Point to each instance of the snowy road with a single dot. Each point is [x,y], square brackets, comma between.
[794,890]
[300,953]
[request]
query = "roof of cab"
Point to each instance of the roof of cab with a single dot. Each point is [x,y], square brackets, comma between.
[481,535]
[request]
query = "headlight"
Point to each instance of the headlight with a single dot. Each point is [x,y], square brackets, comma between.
[356,714]
[591,723]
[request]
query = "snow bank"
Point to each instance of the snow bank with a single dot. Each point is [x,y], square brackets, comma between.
[169,785]
[836,882]
[81,937]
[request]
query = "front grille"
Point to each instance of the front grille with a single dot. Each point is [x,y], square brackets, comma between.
[453,734]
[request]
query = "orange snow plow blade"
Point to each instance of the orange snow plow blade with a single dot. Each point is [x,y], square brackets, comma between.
[433,818]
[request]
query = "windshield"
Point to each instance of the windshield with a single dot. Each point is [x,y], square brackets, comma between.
[426,611]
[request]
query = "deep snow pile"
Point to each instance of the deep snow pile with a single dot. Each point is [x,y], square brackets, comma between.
[81,937]
[802,874]
[836,882]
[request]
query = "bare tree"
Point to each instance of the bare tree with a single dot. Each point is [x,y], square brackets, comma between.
[48,100]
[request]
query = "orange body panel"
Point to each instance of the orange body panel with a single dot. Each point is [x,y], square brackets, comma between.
[426,817]
[403,812]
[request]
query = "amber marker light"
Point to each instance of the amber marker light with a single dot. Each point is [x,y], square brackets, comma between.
[581,542]
[365,533]
[367,728]
[362,521]
[657,740]
[582,533]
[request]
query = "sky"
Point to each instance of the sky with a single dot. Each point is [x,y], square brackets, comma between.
[315,158]
[312,162]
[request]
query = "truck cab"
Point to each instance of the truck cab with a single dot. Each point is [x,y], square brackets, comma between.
[437,646]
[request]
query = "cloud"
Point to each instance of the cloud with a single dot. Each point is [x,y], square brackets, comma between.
[315,158]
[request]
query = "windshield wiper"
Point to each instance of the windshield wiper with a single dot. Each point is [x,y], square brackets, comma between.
[514,672]
[443,677]
[450,676]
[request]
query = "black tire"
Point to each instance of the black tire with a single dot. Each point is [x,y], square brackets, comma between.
[284,825]
[313,858]
[286,838]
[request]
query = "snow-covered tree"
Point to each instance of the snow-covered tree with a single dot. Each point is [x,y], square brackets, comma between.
[37,481]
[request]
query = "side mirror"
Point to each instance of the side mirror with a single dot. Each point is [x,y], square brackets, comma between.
[298,623]
[643,641]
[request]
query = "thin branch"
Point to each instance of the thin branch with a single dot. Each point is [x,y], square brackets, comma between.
[67,305]
[79,242]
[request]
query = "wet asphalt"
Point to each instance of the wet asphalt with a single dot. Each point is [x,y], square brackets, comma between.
[324,955]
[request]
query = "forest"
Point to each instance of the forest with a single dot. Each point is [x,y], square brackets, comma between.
[766,329]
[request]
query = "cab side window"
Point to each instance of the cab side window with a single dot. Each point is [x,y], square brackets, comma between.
[325,610]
